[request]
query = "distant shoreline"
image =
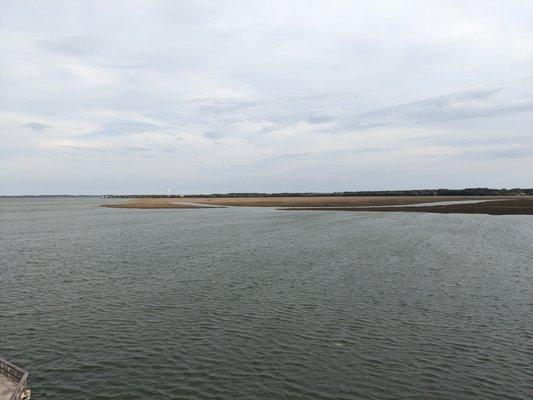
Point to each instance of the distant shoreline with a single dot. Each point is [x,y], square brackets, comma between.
[517,206]
[365,193]
[360,193]
[156,203]
[330,202]
[502,205]
[520,202]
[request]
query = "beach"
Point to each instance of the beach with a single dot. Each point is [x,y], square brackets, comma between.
[494,205]
[154,203]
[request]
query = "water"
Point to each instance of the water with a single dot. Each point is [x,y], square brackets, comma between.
[254,303]
[439,203]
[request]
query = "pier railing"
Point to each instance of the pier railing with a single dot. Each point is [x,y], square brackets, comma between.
[18,376]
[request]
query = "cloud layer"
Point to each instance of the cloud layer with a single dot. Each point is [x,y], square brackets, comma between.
[137,97]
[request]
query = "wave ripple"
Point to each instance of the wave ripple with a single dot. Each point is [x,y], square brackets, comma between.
[264,304]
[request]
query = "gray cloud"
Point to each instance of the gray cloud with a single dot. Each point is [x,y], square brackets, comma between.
[213,135]
[221,106]
[326,154]
[206,93]
[320,119]
[119,150]
[37,126]
[71,46]
[467,140]
[515,152]
[450,107]
[117,128]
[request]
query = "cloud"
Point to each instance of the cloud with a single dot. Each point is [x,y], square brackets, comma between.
[206,93]
[37,126]
[70,46]
[513,152]
[469,140]
[326,154]
[213,135]
[467,104]
[221,106]
[117,128]
[320,119]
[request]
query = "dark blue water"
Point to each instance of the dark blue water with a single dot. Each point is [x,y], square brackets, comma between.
[254,303]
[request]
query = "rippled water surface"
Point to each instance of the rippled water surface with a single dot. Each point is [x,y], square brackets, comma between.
[255,303]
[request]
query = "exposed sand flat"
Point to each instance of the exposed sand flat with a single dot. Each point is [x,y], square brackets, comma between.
[497,205]
[516,206]
[340,201]
[148,203]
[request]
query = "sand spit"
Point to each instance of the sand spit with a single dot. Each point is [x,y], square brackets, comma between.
[148,203]
[489,205]
[340,201]
[515,206]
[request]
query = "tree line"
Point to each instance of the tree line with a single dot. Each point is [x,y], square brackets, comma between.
[417,192]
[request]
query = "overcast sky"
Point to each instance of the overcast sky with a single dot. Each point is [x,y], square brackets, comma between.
[222,96]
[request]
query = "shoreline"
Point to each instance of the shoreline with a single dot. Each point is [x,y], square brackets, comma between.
[497,205]
[152,204]
[335,201]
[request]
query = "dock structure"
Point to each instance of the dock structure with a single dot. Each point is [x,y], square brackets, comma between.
[13,382]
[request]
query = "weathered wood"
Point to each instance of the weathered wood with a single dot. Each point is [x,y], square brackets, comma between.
[14,379]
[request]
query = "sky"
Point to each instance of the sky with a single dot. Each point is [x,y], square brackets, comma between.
[101,97]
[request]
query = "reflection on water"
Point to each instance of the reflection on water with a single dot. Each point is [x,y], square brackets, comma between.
[244,303]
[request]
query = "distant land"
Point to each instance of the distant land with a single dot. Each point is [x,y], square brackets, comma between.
[518,201]
[373,193]
[464,201]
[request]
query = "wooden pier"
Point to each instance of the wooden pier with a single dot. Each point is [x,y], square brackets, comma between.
[13,382]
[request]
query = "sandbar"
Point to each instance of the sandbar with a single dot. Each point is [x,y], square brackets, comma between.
[156,203]
[332,201]
[515,206]
[495,205]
